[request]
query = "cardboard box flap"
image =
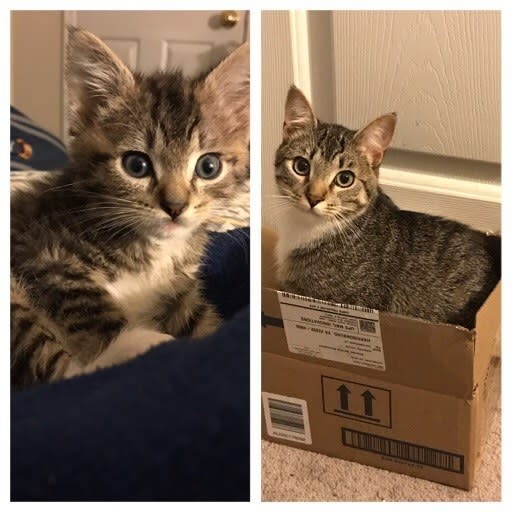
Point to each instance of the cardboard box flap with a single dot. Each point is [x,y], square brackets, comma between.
[488,333]
[428,356]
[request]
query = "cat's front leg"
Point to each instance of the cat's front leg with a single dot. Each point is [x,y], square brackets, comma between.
[85,313]
[191,316]
[207,323]
[129,344]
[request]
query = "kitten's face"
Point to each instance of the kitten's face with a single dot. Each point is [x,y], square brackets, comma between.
[163,154]
[326,169]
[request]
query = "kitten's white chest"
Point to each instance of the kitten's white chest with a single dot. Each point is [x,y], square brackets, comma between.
[139,294]
[297,228]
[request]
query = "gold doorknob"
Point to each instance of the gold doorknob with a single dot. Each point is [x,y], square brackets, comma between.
[229,19]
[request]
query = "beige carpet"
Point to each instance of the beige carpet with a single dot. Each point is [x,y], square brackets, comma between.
[289,474]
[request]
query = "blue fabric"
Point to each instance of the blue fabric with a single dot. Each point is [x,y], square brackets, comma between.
[226,271]
[33,147]
[173,424]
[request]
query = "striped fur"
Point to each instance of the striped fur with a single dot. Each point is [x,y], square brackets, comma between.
[95,254]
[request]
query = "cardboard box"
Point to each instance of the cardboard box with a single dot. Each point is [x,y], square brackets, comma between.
[412,397]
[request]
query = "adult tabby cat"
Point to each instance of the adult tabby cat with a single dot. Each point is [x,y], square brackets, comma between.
[105,254]
[345,241]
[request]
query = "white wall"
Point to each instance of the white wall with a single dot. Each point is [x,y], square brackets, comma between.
[36,66]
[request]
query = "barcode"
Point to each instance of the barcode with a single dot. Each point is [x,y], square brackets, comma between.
[287,418]
[302,298]
[402,450]
[367,326]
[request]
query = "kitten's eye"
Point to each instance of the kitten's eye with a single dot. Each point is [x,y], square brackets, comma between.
[208,166]
[137,164]
[344,179]
[301,166]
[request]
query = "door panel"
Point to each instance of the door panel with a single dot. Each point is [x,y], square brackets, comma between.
[162,40]
[440,70]
[127,50]
[189,56]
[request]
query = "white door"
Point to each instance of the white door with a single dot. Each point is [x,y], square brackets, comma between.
[162,40]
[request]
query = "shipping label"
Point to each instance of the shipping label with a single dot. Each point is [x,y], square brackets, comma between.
[317,328]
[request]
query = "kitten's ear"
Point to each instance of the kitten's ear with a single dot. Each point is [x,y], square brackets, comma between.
[94,74]
[373,140]
[223,98]
[298,114]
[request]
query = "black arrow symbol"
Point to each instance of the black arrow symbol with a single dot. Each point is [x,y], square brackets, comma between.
[344,392]
[368,402]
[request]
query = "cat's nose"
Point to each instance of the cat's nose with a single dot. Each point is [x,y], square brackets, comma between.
[174,208]
[314,200]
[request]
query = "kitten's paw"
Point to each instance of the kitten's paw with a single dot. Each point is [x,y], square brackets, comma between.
[128,345]
[208,324]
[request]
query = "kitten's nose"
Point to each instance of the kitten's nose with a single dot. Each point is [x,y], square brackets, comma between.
[174,208]
[313,200]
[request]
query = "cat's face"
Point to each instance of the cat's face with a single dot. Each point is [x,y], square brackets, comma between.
[326,169]
[163,154]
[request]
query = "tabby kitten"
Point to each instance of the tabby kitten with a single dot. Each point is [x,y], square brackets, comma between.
[342,239]
[105,254]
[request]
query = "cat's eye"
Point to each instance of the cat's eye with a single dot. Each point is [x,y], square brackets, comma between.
[301,166]
[208,166]
[344,179]
[137,164]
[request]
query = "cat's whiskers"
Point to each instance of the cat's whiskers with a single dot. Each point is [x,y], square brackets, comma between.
[349,232]
[113,215]
[278,200]
[106,225]
[115,202]
[125,223]
[130,225]
[107,207]
[277,204]
[99,211]
[71,184]
[343,230]
[115,220]
[88,213]
[90,193]
[279,209]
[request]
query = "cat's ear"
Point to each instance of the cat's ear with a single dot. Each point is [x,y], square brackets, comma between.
[94,75]
[298,114]
[373,140]
[223,97]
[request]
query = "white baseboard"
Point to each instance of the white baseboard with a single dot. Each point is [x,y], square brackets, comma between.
[442,185]
[464,190]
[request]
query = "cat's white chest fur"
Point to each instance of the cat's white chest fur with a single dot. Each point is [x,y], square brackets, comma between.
[138,294]
[297,228]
